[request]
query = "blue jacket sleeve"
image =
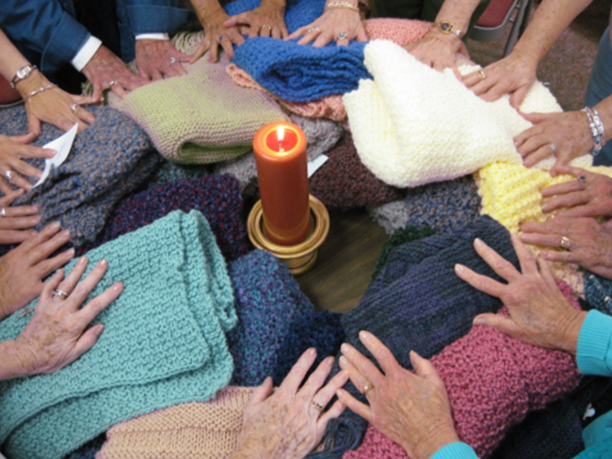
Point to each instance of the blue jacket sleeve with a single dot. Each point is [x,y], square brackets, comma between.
[154,16]
[594,354]
[45,31]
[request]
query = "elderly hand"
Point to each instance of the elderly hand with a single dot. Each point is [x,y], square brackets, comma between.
[514,74]
[411,409]
[23,269]
[105,70]
[539,313]
[290,423]
[267,20]
[156,59]
[56,335]
[438,50]
[335,24]
[589,243]
[12,149]
[590,195]
[565,135]
[16,223]
[217,34]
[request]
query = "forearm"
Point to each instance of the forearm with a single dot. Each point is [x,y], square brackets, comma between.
[604,108]
[205,8]
[11,363]
[11,59]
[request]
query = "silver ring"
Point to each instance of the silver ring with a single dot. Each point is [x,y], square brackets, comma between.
[3,211]
[73,107]
[565,242]
[317,406]
[172,59]
[582,180]
[219,38]
[8,174]
[63,295]
[367,388]
[112,83]
[341,36]
[553,147]
[314,29]
[482,74]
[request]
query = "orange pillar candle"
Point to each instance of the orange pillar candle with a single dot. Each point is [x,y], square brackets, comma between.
[280,155]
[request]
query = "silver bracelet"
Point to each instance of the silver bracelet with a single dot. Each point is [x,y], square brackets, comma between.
[347,5]
[597,129]
[38,91]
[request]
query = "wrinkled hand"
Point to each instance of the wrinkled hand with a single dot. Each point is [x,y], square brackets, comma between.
[156,59]
[17,222]
[286,424]
[569,132]
[539,313]
[23,269]
[332,22]
[590,242]
[438,51]
[12,150]
[56,336]
[411,409]
[514,74]
[216,34]
[268,20]
[591,199]
[105,70]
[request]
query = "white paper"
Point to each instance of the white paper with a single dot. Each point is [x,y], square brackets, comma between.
[62,146]
[316,163]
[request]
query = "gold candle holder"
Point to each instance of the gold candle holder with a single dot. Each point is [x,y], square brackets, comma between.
[299,258]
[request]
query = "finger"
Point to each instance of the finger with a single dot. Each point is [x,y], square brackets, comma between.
[24,139]
[367,372]
[517,97]
[344,42]
[242,18]
[284,31]
[26,169]
[546,272]
[19,181]
[425,369]
[45,249]
[86,116]
[533,157]
[174,70]
[276,32]
[299,32]
[91,310]
[10,198]
[336,410]
[561,256]
[84,344]
[354,405]
[547,240]
[34,125]
[119,90]
[569,200]
[316,379]
[200,52]
[156,75]
[214,51]
[535,118]
[47,266]
[235,38]
[5,187]
[18,223]
[502,267]
[298,371]
[48,232]
[14,236]
[49,287]
[381,353]
[67,285]
[479,282]
[526,259]
[30,151]
[228,47]
[575,171]
[97,91]
[361,35]
[323,39]
[562,188]
[502,323]
[265,31]
[324,396]
[261,392]
[85,287]
[310,36]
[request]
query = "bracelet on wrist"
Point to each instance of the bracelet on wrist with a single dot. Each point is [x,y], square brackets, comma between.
[342,4]
[38,91]
[597,129]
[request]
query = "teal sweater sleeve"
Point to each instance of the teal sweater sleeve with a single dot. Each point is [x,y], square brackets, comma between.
[455,450]
[594,355]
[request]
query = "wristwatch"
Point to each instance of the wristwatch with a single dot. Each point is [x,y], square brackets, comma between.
[22,74]
[449,27]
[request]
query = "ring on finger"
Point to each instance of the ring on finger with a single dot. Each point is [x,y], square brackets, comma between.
[553,147]
[582,180]
[3,212]
[482,74]
[341,36]
[367,388]
[74,107]
[9,175]
[565,242]
[172,59]
[57,292]
[314,29]
[316,405]
[267,26]
[112,83]
[219,38]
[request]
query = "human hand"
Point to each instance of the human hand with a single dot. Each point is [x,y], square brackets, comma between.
[539,312]
[566,135]
[105,70]
[588,196]
[216,34]
[329,27]
[156,59]
[268,20]
[23,269]
[12,149]
[438,50]
[589,243]
[16,223]
[411,409]
[290,423]
[514,74]
[56,336]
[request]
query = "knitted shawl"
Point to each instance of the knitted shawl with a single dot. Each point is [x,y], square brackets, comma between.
[108,160]
[202,117]
[169,171]
[217,197]
[343,182]
[418,302]
[428,124]
[444,206]
[198,430]
[598,292]
[176,305]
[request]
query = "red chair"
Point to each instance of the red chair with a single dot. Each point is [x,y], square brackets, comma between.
[8,95]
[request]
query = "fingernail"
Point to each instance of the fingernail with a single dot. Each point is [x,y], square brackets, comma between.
[459,268]
[102,263]
[479,321]
[312,351]
[66,233]
[342,361]
[35,209]
[477,241]
[33,233]
[118,287]
[345,348]
[55,225]
[100,329]
[71,253]
[364,335]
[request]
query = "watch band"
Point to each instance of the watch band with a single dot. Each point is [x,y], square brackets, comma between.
[449,27]
[22,74]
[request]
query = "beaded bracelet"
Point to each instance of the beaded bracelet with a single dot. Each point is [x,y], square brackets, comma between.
[38,91]
[597,129]
[346,5]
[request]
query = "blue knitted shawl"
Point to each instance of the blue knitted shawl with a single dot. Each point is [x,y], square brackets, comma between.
[163,342]
[299,73]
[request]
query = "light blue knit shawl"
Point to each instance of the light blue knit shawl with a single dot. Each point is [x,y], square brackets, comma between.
[163,342]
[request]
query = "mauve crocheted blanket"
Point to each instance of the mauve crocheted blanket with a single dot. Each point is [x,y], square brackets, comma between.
[164,342]
[108,160]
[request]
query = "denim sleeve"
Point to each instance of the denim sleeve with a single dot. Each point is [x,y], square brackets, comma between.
[153,16]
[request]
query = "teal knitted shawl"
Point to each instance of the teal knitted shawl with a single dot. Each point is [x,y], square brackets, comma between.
[163,342]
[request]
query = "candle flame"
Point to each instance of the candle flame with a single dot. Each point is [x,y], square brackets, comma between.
[280,134]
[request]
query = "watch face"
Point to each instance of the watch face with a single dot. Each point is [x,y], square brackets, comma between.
[445,26]
[23,71]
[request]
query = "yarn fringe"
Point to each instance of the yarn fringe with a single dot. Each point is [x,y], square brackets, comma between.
[340,437]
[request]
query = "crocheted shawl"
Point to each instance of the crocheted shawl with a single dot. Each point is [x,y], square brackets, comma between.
[176,305]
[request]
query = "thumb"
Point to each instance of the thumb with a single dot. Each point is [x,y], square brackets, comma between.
[425,369]
[501,323]
[34,125]
[25,139]
[535,118]
[517,97]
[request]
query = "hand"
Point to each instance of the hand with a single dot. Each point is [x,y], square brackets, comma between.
[12,149]
[539,313]
[56,336]
[156,59]
[268,20]
[590,242]
[588,196]
[23,269]
[17,220]
[217,34]
[286,424]
[53,106]
[411,409]
[105,70]
[514,74]
[567,132]
[326,29]
[438,50]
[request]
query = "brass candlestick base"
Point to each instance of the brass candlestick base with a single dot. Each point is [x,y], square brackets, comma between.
[300,258]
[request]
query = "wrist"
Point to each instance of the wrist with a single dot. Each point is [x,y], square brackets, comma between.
[568,329]
[35,81]
[434,441]
[13,364]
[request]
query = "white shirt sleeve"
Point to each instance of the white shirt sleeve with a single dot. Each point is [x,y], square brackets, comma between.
[86,52]
[153,36]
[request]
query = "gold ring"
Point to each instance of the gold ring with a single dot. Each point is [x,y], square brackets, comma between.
[482,74]
[367,388]
[73,107]
[565,242]
[317,406]
[63,295]
[267,26]
[112,83]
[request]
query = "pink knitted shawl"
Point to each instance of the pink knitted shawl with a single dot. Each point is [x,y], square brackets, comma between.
[493,381]
[400,31]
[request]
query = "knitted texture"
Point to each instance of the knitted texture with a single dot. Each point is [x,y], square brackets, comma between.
[217,197]
[343,182]
[199,430]
[444,206]
[418,302]
[202,117]
[321,135]
[598,292]
[89,449]
[108,160]
[492,382]
[170,171]
[601,450]
[267,299]
[428,124]
[171,317]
